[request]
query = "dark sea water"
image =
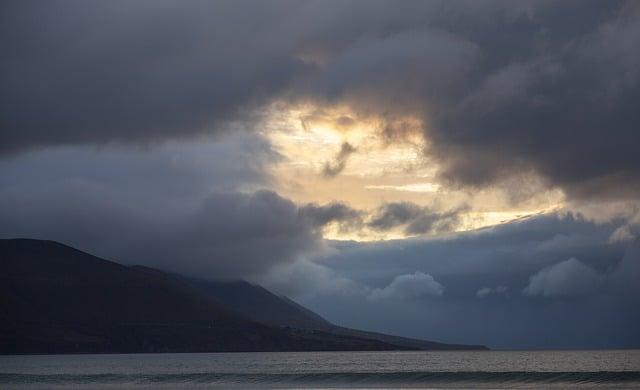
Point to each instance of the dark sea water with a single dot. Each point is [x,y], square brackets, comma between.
[490,369]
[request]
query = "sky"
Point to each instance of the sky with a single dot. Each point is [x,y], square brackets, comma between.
[461,171]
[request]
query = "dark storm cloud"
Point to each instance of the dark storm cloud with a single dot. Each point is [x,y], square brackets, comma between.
[230,235]
[233,236]
[503,87]
[94,72]
[507,90]
[414,219]
[176,207]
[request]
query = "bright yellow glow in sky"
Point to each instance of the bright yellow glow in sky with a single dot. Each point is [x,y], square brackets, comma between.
[377,172]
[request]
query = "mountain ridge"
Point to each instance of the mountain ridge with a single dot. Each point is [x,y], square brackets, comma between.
[57,299]
[310,320]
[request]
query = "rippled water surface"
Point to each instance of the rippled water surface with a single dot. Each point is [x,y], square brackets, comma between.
[486,369]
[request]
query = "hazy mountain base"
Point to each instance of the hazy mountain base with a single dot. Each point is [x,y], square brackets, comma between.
[261,305]
[56,299]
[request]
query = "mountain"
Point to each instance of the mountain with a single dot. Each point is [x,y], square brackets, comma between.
[261,305]
[56,299]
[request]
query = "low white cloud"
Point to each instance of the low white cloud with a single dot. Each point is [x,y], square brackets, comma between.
[569,277]
[485,291]
[307,278]
[621,234]
[409,286]
[627,232]
[625,278]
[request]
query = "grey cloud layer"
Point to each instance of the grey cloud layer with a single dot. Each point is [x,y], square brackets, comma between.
[78,71]
[180,207]
[503,87]
[177,207]
[532,283]
[189,207]
[229,235]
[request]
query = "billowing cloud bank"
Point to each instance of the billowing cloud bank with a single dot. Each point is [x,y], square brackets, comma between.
[192,208]
[498,88]
[548,281]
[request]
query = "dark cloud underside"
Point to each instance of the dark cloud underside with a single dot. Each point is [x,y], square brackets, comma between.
[95,72]
[502,87]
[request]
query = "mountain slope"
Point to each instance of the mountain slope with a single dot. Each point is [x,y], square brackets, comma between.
[261,305]
[56,299]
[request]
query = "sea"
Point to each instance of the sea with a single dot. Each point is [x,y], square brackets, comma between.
[326,370]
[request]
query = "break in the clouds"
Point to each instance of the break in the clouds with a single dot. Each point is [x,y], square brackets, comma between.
[498,88]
